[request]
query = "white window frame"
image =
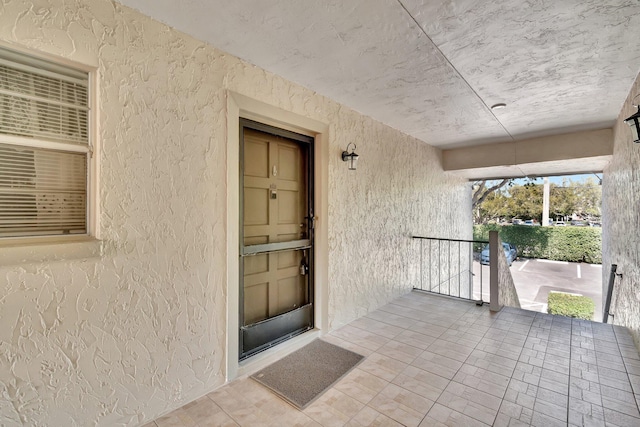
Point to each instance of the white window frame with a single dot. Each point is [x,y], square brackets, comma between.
[90,149]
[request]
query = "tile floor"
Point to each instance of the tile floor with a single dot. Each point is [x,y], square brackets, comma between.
[432,361]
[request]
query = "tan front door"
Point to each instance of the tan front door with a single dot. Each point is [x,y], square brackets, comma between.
[277,237]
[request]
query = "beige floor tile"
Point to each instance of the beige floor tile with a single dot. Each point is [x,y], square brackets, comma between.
[347,344]
[361,337]
[250,416]
[377,327]
[177,418]
[440,415]
[382,366]
[481,379]
[415,339]
[473,403]
[401,405]
[478,367]
[400,351]
[221,419]
[458,351]
[492,362]
[341,402]
[437,364]
[326,415]
[195,402]
[465,338]
[421,382]
[228,400]
[361,385]
[239,407]
[202,410]
[391,319]
[428,329]
[262,398]
[294,418]
[369,417]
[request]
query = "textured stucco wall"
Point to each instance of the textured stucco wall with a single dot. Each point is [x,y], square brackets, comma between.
[621,222]
[398,191]
[125,332]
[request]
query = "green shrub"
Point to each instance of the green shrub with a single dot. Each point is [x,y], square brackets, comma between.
[569,305]
[573,244]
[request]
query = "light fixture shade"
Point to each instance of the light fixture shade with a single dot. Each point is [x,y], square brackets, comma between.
[634,123]
[350,157]
[354,161]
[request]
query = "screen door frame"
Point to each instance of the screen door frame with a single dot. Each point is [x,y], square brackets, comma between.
[272,331]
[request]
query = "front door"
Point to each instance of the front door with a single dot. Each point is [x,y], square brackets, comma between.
[276,289]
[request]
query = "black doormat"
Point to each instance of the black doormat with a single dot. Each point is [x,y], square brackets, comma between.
[305,374]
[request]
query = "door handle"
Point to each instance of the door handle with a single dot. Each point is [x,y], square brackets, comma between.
[304,268]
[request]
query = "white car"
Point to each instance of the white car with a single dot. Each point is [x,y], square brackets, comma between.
[510,253]
[560,224]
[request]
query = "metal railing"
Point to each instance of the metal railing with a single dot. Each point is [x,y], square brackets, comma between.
[452,267]
[612,280]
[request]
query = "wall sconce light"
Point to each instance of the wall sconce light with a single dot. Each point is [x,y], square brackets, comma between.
[634,123]
[350,157]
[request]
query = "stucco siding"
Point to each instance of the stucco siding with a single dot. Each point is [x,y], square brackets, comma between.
[621,222]
[123,330]
[398,191]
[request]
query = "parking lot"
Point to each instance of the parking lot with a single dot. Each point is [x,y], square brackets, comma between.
[535,278]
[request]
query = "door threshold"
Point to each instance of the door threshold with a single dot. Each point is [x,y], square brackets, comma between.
[263,359]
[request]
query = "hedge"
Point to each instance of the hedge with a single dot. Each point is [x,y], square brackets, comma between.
[575,244]
[569,305]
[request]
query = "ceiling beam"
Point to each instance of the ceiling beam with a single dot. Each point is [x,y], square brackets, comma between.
[577,152]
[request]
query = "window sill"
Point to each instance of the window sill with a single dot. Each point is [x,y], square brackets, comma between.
[46,250]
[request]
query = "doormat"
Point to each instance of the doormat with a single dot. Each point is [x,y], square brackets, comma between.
[302,377]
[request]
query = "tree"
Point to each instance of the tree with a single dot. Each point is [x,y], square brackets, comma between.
[581,198]
[525,201]
[494,207]
[562,199]
[589,198]
[483,188]
[502,199]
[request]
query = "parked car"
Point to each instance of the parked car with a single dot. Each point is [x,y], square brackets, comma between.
[510,253]
[560,224]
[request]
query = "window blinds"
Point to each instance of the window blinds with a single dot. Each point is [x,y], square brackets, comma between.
[42,104]
[43,191]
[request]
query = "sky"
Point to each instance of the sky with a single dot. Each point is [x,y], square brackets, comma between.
[558,179]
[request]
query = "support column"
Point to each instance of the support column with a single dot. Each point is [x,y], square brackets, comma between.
[545,202]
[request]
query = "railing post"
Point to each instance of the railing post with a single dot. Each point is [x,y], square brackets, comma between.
[449,267]
[430,266]
[459,271]
[439,267]
[421,266]
[494,291]
[470,265]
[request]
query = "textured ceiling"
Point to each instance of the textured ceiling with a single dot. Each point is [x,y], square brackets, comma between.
[432,68]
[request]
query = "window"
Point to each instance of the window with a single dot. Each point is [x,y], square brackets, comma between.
[45,148]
